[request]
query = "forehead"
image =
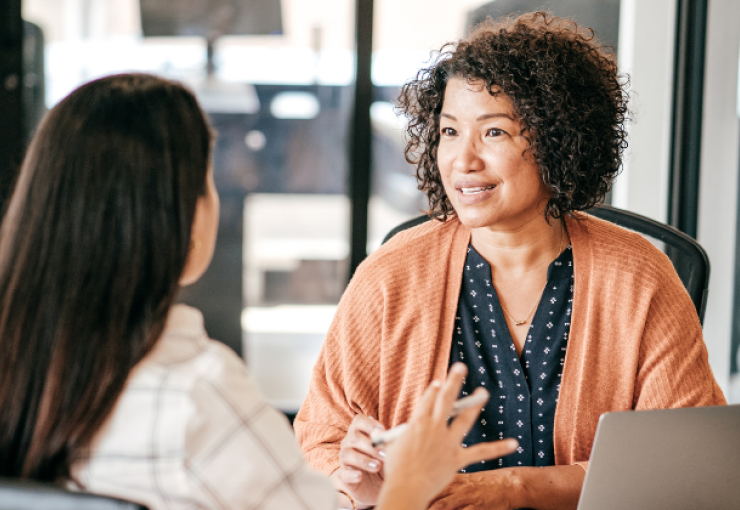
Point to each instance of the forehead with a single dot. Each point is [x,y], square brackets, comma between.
[472,96]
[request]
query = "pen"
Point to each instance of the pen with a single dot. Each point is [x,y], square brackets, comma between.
[386,436]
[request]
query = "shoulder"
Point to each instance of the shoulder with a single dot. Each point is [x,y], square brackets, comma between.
[186,365]
[186,353]
[416,249]
[611,248]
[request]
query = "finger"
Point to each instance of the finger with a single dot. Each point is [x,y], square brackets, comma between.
[363,425]
[450,390]
[442,494]
[426,404]
[441,504]
[465,420]
[349,476]
[350,458]
[359,437]
[487,451]
[363,444]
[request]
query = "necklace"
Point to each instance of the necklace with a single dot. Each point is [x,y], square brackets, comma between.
[519,323]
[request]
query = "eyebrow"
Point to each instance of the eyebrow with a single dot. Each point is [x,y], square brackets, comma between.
[482,117]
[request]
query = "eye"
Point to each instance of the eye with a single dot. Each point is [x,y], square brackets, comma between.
[447,131]
[495,132]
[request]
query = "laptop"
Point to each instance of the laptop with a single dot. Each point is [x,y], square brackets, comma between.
[666,459]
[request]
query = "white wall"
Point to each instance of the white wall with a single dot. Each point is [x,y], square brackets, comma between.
[719,178]
[646,53]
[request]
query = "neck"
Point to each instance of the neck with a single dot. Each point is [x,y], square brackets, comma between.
[521,249]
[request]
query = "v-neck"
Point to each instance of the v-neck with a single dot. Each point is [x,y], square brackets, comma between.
[523,386]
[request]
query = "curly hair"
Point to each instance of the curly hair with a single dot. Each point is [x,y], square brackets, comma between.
[565,89]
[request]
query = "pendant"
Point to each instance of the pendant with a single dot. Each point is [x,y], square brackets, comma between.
[518,323]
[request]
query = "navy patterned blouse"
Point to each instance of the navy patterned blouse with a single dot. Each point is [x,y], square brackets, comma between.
[524,391]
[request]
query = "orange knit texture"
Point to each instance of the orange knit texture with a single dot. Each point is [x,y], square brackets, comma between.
[635,340]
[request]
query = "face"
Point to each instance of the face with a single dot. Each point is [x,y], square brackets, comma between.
[203,233]
[480,157]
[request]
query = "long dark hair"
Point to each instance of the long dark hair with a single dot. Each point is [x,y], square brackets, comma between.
[91,250]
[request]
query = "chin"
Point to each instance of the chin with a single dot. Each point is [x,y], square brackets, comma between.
[476,221]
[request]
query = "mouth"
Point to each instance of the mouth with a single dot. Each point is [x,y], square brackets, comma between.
[476,190]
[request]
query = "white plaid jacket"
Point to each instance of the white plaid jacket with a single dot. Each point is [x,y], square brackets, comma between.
[191,430]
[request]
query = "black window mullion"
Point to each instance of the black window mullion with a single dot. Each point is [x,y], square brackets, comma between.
[688,93]
[360,143]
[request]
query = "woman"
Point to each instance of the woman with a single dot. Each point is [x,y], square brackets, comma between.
[105,383]
[513,131]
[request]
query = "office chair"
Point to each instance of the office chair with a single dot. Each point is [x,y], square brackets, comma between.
[28,495]
[688,257]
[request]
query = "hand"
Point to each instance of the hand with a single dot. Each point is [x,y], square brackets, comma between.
[546,488]
[425,459]
[485,489]
[360,464]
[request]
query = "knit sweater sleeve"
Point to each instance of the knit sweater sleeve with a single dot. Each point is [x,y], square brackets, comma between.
[673,367]
[636,341]
[389,339]
[345,378]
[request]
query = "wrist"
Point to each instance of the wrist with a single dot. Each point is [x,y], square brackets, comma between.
[515,488]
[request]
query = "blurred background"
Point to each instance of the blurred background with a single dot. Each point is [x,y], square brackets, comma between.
[309,159]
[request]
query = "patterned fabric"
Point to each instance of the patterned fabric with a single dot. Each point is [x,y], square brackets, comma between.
[524,391]
[635,340]
[191,430]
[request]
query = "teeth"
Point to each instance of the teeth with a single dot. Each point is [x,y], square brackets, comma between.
[470,191]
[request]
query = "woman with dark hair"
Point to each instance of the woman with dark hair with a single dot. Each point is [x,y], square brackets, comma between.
[514,132]
[105,383]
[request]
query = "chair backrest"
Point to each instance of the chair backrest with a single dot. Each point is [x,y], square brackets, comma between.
[28,495]
[688,257]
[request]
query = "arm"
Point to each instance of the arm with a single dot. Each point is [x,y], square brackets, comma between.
[545,488]
[344,382]
[673,368]
[334,430]
[333,426]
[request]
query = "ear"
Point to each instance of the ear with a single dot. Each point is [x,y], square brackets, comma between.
[194,263]
[202,235]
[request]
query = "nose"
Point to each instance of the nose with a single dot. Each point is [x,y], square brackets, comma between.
[467,156]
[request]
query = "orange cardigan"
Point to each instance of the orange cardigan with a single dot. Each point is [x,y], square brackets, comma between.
[635,339]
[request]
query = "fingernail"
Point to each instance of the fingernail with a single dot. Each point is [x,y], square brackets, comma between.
[372,464]
[436,384]
[381,454]
[459,368]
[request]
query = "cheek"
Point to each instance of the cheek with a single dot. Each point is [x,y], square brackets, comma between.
[529,174]
[539,189]
[444,165]
[446,184]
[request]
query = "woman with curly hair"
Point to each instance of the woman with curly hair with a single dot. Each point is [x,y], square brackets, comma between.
[514,132]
